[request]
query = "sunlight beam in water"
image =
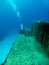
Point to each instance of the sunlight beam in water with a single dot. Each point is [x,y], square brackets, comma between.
[15,9]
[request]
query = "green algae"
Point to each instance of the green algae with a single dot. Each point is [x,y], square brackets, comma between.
[26,50]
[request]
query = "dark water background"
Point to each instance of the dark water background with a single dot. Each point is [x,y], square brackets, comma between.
[30,10]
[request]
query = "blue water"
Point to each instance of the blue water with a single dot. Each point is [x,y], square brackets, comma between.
[16,12]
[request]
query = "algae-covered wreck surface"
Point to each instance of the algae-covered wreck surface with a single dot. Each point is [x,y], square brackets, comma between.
[31,47]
